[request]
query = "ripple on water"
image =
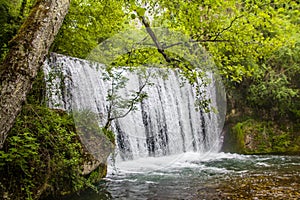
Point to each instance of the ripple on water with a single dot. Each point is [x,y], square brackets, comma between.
[194,176]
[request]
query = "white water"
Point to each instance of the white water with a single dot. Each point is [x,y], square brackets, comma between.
[164,126]
[192,175]
[181,163]
[172,163]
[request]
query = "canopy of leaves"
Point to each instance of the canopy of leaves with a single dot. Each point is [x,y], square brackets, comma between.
[253,43]
[240,35]
[88,23]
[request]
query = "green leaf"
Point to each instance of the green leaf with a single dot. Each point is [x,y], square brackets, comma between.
[133,16]
[140,11]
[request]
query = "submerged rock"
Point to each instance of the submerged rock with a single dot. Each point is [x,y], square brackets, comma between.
[263,186]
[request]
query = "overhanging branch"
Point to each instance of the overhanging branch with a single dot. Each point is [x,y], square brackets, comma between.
[160,49]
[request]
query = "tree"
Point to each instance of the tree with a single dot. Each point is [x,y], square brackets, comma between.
[27,52]
[87,24]
[248,41]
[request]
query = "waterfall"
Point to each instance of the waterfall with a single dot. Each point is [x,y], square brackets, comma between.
[164,123]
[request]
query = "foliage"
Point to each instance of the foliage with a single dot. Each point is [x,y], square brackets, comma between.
[119,106]
[12,15]
[253,44]
[8,23]
[263,137]
[276,88]
[87,24]
[240,35]
[42,152]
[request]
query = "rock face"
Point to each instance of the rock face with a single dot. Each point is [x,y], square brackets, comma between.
[260,137]
[93,165]
[101,148]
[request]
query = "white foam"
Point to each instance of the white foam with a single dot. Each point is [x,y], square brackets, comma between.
[172,163]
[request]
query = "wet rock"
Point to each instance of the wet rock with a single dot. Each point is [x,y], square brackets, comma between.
[271,186]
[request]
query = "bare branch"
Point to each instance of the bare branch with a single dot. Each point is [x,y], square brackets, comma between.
[228,27]
[155,40]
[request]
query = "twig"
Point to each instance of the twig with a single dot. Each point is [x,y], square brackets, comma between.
[133,101]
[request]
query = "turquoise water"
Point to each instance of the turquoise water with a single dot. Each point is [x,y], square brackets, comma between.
[183,176]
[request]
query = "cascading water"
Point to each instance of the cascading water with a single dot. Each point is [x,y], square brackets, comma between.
[165,123]
[166,149]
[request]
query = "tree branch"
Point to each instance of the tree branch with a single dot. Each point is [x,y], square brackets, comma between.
[215,39]
[194,41]
[131,106]
[160,49]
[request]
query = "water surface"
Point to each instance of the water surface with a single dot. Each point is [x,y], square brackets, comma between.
[201,176]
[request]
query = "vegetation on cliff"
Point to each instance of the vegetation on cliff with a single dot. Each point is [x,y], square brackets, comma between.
[43,154]
[262,137]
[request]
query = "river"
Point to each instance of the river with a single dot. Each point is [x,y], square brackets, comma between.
[200,176]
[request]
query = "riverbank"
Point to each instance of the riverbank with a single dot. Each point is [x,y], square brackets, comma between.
[254,136]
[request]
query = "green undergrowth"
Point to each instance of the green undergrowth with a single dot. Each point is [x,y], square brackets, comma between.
[42,154]
[252,136]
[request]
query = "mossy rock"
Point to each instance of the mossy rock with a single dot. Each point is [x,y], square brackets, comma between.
[43,154]
[260,137]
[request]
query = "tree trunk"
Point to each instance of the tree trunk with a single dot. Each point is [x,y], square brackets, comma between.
[26,56]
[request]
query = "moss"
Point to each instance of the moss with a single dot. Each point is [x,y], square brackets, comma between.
[234,140]
[43,154]
[261,137]
[98,173]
